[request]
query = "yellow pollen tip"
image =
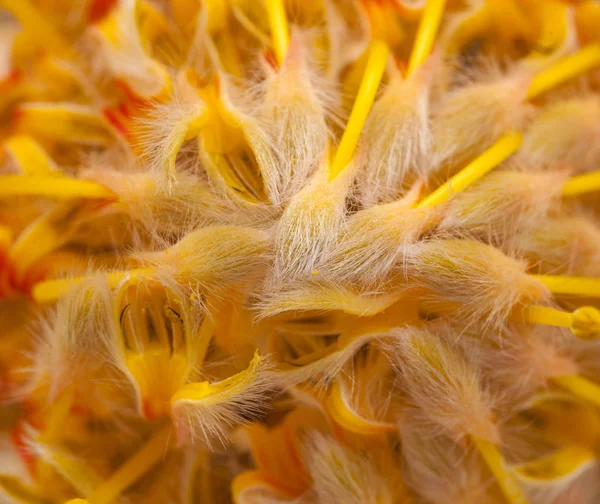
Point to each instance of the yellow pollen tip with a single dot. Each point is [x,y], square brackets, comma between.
[584,322]
[496,154]
[377,59]
[428,27]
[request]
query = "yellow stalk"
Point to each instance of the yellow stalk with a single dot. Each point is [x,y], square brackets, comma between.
[547,316]
[30,156]
[149,455]
[376,61]
[576,286]
[51,290]
[279,28]
[505,479]
[428,27]
[580,387]
[52,187]
[582,184]
[496,154]
[565,69]
[584,322]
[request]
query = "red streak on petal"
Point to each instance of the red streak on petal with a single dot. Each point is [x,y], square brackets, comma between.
[147,410]
[17,437]
[99,9]
[118,122]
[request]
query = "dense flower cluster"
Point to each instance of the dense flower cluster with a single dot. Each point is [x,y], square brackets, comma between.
[300,251]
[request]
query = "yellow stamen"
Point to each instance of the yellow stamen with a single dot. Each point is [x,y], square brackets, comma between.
[279,28]
[567,68]
[59,412]
[51,290]
[44,235]
[52,187]
[496,154]
[149,455]
[576,286]
[35,22]
[582,184]
[580,387]
[31,156]
[584,322]
[205,334]
[70,123]
[505,479]
[377,59]
[428,27]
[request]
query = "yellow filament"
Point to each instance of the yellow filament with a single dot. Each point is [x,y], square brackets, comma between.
[279,28]
[377,59]
[580,387]
[584,322]
[428,27]
[547,316]
[505,479]
[149,455]
[496,154]
[51,290]
[577,286]
[582,184]
[30,156]
[567,68]
[52,187]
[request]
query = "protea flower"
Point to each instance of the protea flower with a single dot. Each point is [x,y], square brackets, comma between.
[300,251]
